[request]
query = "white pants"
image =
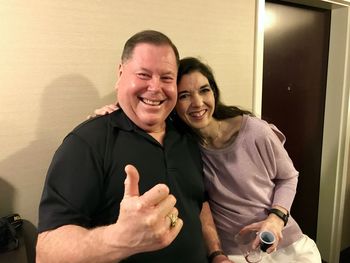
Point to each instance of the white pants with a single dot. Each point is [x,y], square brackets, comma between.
[303,250]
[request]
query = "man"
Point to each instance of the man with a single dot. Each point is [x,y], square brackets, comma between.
[89,214]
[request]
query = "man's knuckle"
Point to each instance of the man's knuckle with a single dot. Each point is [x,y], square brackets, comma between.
[151,221]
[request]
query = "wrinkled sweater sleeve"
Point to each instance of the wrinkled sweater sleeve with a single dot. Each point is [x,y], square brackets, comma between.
[270,142]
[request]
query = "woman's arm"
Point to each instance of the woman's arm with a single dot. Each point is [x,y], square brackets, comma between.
[211,237]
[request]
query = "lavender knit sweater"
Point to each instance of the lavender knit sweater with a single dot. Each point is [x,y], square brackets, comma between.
[247,178]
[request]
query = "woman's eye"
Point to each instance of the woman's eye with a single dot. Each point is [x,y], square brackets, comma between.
[205,90]
[182,96]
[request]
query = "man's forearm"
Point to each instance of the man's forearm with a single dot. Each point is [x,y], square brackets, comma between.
[72,243]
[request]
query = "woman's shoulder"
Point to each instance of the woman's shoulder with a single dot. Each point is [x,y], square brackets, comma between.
[262,129]
[255,124]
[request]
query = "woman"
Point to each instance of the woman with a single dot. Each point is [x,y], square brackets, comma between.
[250,179]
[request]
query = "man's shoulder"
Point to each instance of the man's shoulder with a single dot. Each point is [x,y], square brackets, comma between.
[99,126]
[92,126]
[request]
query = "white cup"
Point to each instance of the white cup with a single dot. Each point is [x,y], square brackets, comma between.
[245,243]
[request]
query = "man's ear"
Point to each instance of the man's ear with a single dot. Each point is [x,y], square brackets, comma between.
[120,70]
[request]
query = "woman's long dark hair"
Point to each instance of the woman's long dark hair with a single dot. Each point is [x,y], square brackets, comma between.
[221,111]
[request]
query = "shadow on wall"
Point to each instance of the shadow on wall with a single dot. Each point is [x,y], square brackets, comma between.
[6,197]
[65,103]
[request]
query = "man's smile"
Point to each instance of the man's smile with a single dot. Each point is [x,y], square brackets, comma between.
[151,102]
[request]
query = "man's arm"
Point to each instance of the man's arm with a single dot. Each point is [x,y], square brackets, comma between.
[210,235]
[72,243]
[143,225]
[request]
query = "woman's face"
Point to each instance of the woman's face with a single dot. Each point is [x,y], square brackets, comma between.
[195,102]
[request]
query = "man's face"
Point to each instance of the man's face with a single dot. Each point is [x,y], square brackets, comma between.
[146,88]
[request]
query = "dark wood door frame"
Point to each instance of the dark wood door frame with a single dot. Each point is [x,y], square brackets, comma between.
[336,138]
[294,89]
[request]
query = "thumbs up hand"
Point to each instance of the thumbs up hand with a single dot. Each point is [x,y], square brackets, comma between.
[148,222]
[131,182]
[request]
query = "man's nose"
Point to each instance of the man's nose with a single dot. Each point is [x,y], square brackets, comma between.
[154,84]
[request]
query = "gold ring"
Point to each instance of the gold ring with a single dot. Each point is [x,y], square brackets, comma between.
[173,220]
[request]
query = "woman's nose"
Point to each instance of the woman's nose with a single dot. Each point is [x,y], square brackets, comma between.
[197,100]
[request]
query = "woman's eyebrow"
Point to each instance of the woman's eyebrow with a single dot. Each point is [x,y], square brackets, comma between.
[204,86]
[184,91]
[201,87]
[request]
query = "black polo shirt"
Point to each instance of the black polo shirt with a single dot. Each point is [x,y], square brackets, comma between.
[85,181]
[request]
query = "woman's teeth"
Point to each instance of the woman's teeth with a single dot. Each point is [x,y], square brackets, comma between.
[197,113]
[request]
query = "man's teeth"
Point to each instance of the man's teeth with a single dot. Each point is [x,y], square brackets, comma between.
[152,102]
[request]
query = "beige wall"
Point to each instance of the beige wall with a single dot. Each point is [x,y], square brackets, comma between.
[58,60]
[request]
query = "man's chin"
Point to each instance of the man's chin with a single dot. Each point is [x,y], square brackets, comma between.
[151,124]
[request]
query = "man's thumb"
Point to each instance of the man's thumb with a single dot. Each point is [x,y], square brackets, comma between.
[131,181]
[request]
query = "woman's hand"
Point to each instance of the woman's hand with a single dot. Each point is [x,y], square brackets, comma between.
[273,224]
[107,109]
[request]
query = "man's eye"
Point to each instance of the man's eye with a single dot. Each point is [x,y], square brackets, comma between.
[143,75]
[167,79]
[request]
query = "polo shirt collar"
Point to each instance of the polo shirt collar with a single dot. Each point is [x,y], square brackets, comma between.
[121,121]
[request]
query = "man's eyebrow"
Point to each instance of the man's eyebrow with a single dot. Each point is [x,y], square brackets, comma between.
[145,69]
[162,73]
[169,73]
